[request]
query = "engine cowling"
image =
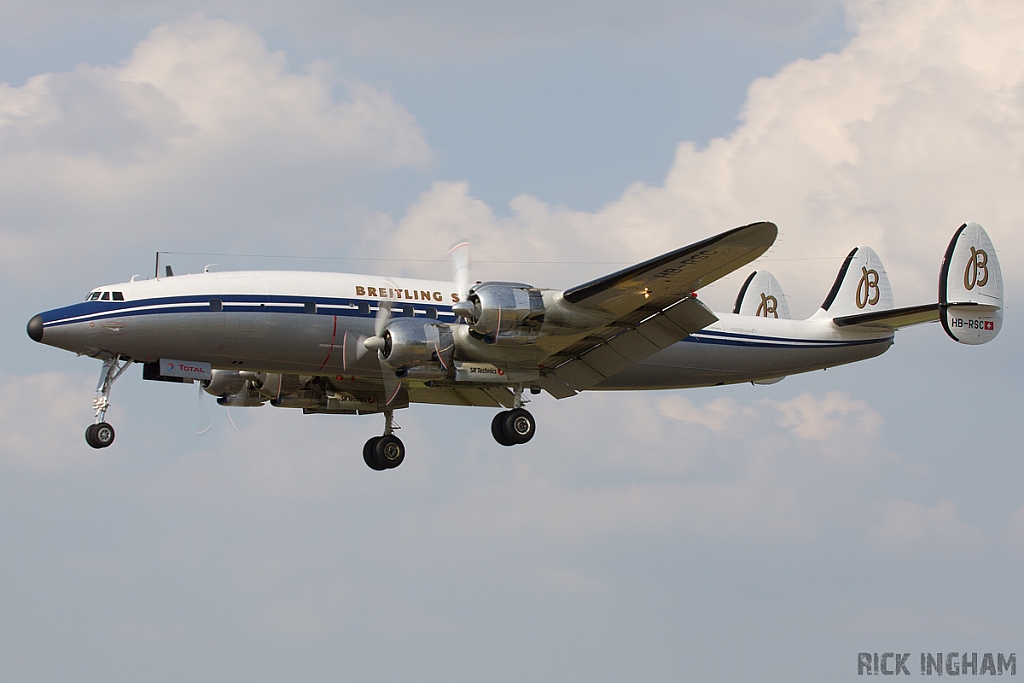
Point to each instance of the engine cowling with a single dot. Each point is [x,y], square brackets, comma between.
[504,312]
[410,343]
[225,383]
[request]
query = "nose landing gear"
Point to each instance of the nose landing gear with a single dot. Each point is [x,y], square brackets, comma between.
[385,452]
[100,434]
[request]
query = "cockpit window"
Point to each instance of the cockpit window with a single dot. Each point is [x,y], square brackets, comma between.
[94,296]
[118,296]
[105,297]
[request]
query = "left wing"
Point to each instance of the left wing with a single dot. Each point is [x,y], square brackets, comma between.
[653,304]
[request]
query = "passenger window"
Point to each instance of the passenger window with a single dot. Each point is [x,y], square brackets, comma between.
[118,296]
[408,311]
[216,305]
[105,297]
[309,307]
[94,296]
[364,307]
[432,312]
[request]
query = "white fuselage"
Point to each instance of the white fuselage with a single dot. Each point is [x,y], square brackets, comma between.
[302,323]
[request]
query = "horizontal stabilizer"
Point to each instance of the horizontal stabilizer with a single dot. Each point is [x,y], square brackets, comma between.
[971,287]
[762,296]
[892,319]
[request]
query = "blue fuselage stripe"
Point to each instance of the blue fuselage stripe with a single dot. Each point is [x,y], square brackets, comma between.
[88,311]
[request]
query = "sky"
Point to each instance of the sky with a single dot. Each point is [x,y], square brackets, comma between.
[742,533]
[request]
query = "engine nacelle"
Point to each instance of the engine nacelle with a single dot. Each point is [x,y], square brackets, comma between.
[505,312]
[225,383]
[411,343]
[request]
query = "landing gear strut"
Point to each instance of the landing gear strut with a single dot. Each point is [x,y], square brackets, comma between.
[516,426]
[385,452]
[100,434]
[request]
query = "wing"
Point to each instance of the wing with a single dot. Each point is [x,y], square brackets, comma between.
[664,280]
[654,307]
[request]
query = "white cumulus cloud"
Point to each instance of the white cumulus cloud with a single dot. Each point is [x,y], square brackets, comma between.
[914,127]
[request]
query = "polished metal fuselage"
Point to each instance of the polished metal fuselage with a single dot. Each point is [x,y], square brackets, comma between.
[308,324]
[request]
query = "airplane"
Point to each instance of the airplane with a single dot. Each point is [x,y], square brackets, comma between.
[350,344]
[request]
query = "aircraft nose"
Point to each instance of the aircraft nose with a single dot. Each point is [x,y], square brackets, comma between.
[35,328]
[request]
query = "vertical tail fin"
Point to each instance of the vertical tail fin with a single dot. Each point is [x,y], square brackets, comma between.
[862,286]
[971,287]
[762,296]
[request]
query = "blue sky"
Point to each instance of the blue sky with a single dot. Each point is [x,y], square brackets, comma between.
[739,533]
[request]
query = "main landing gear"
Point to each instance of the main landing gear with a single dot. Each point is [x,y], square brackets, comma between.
[100,434]
[516,426]
[385,452]
[509,427]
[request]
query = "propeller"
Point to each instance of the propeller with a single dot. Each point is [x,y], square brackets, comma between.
[376,343]
[203,423]
[202,413]
[460,267]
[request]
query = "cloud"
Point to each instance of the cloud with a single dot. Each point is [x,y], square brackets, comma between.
[914,127]
[905,526]
[818,419]
[200,124]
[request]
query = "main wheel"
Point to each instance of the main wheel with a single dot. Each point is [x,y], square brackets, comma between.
[370,454]
[390,451]
[519,426]
[99,435]
[498,429]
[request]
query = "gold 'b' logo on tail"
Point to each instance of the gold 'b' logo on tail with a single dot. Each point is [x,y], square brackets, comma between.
[976,272]
[769,307]
[867,288]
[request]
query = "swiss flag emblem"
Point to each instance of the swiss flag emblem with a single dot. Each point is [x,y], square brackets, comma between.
[990,325]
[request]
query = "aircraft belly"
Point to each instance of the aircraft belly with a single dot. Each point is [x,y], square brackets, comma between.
[691,363]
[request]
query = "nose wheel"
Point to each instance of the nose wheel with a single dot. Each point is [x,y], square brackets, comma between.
[100,434]
[511,427]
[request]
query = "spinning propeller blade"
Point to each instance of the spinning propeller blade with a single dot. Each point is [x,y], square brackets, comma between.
[460,268]
[202,414]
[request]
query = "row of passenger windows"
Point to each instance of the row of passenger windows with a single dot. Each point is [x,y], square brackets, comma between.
[105,296]
[407,311]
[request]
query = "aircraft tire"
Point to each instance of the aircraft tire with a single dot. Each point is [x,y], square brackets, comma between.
[390,451]
[519,426]
[370,454]
[99,435]
[90,437]
[498,429]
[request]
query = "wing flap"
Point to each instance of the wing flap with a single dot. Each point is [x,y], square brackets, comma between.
[489,397]
[667,278]
[892,319]
[595,359]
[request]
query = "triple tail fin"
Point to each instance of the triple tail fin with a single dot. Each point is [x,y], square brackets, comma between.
[970,303]
[862,286]
[762,296]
